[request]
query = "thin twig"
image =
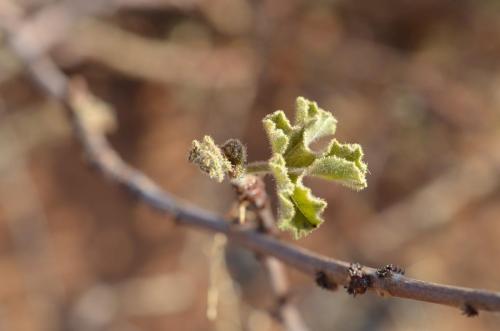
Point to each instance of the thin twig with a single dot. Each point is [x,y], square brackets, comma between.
[104,158]
[262,168]
[258,167]
[252,189]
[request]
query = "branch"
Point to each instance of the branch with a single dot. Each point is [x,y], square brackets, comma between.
[324,269]
[68,25]
[157,60]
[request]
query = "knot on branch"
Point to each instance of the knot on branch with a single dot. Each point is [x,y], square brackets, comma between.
[389,270]
[359,282]
[324,282]
[251,189]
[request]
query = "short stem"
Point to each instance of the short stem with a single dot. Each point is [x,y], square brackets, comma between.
[262,167]
[258,167]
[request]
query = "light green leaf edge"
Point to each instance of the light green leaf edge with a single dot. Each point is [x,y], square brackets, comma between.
[299,211]
[278,130]
[342,163]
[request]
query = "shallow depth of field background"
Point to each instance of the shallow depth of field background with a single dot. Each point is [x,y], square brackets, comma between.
[416,83]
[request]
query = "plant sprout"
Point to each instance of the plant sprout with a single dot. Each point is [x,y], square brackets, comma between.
[292,159]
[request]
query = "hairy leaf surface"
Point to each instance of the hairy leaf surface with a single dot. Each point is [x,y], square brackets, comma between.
[299,210]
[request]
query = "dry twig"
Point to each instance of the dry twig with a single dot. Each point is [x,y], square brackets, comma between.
[252,189]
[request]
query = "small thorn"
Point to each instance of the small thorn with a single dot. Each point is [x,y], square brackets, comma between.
[469,311]
[389,270]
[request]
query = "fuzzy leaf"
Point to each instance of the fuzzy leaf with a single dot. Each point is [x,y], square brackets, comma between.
[316,121]
[342,163]
[308,210]
[340,170]
[280,173]
[209,158]
[284,188]
[293,142]
[299,211]
[350,152]
[278,129]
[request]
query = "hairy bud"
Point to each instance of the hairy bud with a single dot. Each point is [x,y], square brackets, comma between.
[236,154]
[209,158]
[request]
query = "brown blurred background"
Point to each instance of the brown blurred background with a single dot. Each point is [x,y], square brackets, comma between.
[416,83]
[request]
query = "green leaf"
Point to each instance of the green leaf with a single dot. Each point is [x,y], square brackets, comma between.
[293,158]
[299,211]
[280,173]
[209,158]
[316,121]
[284,188]
[293,142]
[350,152]
[308,210]
[337,169]
[342,163]
[278,129]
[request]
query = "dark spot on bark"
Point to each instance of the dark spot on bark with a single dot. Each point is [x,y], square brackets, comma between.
[324,282]
[359,282]
[283,300]
[389,270]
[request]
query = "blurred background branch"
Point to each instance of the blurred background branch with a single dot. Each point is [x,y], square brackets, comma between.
[78,101]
